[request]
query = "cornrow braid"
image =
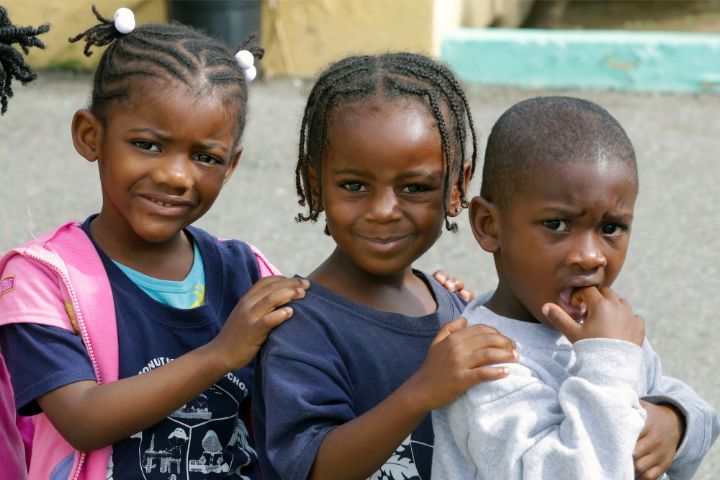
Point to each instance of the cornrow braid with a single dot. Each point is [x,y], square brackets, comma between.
[172,52]
[386,76]
[12,63]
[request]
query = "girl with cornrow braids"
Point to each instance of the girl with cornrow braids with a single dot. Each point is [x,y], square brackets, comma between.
[12,63]
[154,382]
[345,388]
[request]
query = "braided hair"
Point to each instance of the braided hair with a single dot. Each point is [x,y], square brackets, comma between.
[12,64]
[174,52]
[386,76]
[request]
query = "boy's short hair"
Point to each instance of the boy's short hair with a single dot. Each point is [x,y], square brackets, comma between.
[549,132]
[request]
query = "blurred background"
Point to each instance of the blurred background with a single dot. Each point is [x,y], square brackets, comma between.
[590,43]
[655,65]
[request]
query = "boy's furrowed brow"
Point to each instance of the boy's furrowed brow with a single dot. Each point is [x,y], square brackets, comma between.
[563,211]
[151,131]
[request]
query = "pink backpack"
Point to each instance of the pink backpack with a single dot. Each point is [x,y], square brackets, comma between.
[71,260]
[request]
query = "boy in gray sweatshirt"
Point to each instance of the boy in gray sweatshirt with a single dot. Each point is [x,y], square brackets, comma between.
[558,192]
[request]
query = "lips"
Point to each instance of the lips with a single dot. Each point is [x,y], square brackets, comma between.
[165,205]
[382,244]
[574,308]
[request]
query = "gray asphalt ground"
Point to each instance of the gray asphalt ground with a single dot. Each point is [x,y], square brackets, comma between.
[671,275]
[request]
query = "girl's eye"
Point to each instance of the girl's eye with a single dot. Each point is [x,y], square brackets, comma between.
[415,188]
[145,145]
[353,186]
[612,229]
[556,225]
[208,159]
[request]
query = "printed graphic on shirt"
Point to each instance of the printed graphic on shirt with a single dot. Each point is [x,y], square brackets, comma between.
[203,439]
[199,292]
[7,285]
[401,465]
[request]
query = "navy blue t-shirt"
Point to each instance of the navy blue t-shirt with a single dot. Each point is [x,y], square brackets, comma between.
[332,362]
[206,438]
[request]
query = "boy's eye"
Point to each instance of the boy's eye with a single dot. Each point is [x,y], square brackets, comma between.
[146,145]
[208,159]
[612,229]
[556,225]
[353,186]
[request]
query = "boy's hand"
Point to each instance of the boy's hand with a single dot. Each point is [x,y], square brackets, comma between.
[658,442]
[458,359]
[453,284]
[608,316]
[257,312]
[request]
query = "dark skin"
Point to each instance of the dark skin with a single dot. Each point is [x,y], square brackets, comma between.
[569,231]
[162,163]
[382,219]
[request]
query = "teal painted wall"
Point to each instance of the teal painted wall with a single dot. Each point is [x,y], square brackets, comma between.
[638,61]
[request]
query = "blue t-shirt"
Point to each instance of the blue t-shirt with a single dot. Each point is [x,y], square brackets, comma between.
[206,438]
[186,293]
[334,361]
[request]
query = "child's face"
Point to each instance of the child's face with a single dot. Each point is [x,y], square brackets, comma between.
[163,157]
[566,228]
[382,183]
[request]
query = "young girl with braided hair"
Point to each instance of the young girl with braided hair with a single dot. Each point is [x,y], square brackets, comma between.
[12,63]
[131,335]
[345,388]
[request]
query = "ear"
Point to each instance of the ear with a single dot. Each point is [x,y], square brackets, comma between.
[234,160]
[87,132]
[314,189]
[455,201]
[485,224]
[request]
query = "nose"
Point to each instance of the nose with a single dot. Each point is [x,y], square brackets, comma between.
[383,206]
[174,172]
[587,253]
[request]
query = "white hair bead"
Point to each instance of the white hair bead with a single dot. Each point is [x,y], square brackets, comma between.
[124,20]
[250,73]
[245,59]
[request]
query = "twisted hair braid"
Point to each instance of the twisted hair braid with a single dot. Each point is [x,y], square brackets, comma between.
[386,76]
[12,63]
[173,52]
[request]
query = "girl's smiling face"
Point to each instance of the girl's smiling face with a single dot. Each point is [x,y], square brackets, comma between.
[566,228]
[163,158]
[382,185]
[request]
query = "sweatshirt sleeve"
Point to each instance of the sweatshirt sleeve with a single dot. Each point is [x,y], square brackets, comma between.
[521,428]
[701,420]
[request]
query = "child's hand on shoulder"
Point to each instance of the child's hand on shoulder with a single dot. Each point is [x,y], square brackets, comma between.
[258,311]
[453,284]
[458,358]
[608,316]
[659,440]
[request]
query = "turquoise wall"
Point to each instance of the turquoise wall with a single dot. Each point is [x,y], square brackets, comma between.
[638,61]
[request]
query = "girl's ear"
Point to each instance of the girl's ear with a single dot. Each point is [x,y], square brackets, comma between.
[234,160]
[455,201]
[485,224]
[87,134]
[314,189]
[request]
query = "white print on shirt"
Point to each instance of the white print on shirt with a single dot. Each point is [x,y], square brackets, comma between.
[401,465]
[202,439]
[155,363]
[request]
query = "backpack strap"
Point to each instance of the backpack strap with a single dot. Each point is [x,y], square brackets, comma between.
[91,296]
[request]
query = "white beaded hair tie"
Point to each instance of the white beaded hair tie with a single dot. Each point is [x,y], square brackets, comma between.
[124,20]
[246,60]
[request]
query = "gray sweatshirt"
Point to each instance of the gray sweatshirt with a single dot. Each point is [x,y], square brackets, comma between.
[565,411]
